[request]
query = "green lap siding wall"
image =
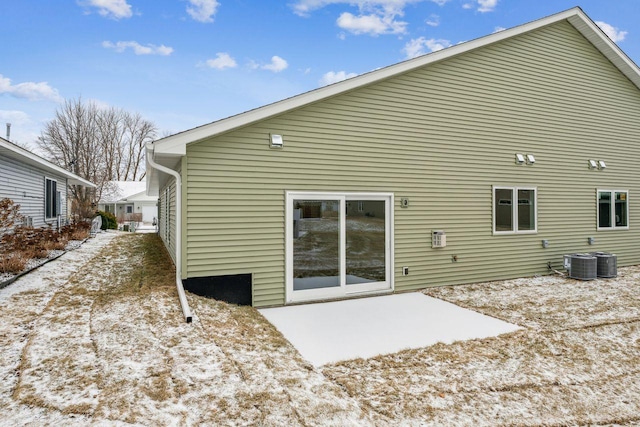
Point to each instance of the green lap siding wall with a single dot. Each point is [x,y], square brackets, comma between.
[167,217]
[442,136]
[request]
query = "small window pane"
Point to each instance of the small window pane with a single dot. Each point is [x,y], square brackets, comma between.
[503,209]
[604,209]
[526,210]
[621,209]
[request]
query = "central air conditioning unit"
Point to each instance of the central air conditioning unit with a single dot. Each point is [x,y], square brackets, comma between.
[581,266]
[607,264]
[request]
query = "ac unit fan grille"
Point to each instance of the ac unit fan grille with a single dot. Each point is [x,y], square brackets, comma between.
[583,267]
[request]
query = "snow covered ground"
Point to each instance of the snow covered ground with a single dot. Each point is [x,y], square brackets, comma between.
[97,338]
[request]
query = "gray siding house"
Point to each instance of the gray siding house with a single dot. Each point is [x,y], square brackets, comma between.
[38,186]
[449,168]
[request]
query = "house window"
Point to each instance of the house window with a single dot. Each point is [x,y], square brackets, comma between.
[613,209]
[129,209]
[514,210]
[51,198]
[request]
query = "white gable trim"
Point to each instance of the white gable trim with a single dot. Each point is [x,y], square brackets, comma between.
[175,145]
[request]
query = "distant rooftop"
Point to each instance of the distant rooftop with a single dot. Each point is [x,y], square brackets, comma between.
[115,191]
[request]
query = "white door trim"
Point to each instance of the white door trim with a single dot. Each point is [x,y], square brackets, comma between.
[343,290]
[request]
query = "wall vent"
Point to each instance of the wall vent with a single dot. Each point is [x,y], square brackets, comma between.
[581,266]
[607,264]
[438,239]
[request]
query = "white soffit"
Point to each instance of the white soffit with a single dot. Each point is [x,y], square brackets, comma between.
[176,144]
[31,159]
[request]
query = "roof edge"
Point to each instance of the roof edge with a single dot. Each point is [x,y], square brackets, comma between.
[71,177]
[175,145]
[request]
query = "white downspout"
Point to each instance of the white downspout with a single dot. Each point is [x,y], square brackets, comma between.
[186,311]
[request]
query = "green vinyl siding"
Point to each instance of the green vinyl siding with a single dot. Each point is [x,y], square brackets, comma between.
[442,136]
[167,220]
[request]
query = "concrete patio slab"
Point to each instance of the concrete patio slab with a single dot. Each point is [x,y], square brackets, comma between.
[366,327]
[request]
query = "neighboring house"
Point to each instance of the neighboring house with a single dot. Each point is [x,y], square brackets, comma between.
[38,186]
[126,198]
[525,136]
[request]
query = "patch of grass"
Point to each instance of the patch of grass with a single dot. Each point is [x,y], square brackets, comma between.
[158,388]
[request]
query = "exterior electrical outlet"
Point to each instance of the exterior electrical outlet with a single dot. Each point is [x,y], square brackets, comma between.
[405,271]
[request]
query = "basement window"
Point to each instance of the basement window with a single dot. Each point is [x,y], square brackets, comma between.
[613,209]
[515,210]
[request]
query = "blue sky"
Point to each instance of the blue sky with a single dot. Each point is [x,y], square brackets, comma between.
[184,63]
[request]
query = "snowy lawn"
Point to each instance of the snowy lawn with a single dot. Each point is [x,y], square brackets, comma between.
[97,338]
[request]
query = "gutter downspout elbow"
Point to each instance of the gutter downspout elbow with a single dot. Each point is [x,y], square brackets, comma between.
[186,311]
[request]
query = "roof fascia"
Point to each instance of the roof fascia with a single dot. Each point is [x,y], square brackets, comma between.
[606,46]
[72,178]
[176,144]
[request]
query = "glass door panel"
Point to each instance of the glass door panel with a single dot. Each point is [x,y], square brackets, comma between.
[366,241]
[316,244]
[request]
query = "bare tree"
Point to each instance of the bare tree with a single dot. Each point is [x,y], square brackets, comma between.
[97,144]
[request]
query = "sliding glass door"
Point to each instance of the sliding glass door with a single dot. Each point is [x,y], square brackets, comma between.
[337,244]
[316,244]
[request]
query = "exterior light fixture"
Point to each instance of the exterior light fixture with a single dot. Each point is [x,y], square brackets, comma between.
[601,164]
[519,159]
[530,159]
[593,164]
[276,141]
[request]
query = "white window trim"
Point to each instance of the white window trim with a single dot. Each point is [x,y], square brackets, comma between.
[344,290]
[514,209]
[55,196]
[613,209]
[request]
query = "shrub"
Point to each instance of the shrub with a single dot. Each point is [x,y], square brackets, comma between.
[77,230]
[109,220]
[9,215]
[13,263]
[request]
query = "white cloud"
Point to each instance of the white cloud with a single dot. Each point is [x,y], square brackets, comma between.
[433,20]
[305,7]
[483,5]
[24,129]
[335,77]
[202,10]
[487,5]
[114,9]
[419,46]
[374,17]
[139,49]
[498,29]
[29,90]
[371,24]
[223,60]
[612,32]
[13,117]
[276,65]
